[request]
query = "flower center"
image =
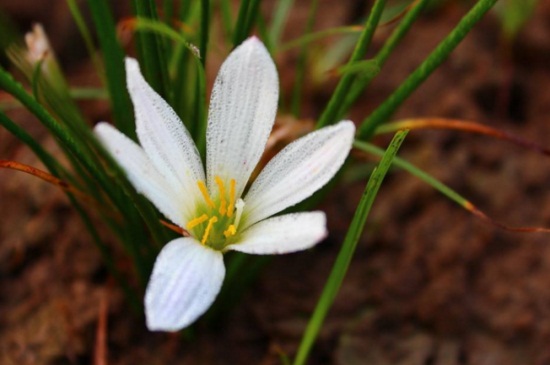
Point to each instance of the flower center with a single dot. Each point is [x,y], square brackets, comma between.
[217,219]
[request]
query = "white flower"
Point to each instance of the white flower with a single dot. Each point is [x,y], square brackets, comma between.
[167,169]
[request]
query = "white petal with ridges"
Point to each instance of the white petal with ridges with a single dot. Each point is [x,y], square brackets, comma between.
[299,170]
[283,234]
[141,172]
[163,136]
[242,111]
[186,279]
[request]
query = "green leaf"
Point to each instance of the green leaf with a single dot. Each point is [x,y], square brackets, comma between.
[430,64]
[365,68]
[361,83]
[345,255]
[113,58]
[152,50]
[329,114]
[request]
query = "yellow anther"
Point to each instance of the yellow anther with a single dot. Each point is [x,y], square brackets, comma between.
[231,207]
[211,222]
[205,194]
[230,231]
[195,222]
[223,203]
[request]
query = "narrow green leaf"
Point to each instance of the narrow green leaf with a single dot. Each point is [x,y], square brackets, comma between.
[248,13]
[87,37]
[205,28]
[366,68]
[430,64]
[345,255]
[415,171]
[240,24]
[329,114]
[113,58]
[361,83]
[152,50]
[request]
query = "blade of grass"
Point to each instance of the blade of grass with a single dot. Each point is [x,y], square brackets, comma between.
[240,24]
[361,83]
[113,58]
[135,235]
[348,248]
[329,114]
[444,189]
[205,28]
[87,37]
[248,13]
[430,64]
[151,50]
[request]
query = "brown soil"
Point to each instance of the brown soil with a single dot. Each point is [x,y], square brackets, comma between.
[429,284]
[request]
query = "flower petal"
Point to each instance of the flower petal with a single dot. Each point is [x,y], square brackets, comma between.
[186,279]
[299,170]
[242,111]
[283,234]
[163,136]
[141,172]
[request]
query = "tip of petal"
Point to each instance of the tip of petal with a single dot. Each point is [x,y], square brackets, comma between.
[131,64]
[253,44]
[133,72]
[347,125]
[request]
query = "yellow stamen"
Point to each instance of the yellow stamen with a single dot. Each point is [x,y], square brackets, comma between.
[211,222]
[205,194]
[230,231]
[223,203]
[195,222]
[231,207]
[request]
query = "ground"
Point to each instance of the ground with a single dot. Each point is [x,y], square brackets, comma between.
[429,284]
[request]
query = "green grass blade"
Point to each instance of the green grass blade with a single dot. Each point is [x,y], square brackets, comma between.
[113,58]
[87,37]
[248,13]
[240,24]
[151,50]
[415,171]
[205,29]
[348,248]
[330,113]
[381,57]
[11,86]
[430,64]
